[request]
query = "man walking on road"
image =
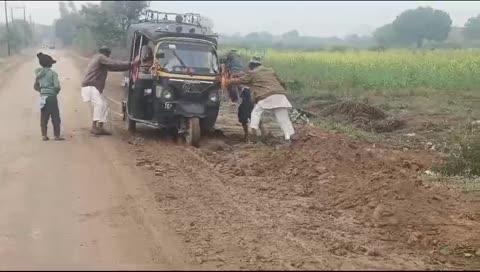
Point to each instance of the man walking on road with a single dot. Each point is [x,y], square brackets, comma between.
[268,94]
[94,83]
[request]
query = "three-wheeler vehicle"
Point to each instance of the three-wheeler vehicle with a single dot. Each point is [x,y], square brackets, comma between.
[177,83]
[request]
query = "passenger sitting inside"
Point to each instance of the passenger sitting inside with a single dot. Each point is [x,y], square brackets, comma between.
[172,61]
[147,55]
[145,59]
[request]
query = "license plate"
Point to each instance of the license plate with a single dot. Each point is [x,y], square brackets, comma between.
[168,106]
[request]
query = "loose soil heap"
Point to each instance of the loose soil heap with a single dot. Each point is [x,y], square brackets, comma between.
[373,195]
[362,116]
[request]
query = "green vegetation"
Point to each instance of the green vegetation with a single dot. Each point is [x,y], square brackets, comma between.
[95,25]
[20,36]
[308,72]
[464,159]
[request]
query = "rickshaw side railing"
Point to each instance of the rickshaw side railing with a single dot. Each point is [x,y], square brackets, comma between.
[193,19]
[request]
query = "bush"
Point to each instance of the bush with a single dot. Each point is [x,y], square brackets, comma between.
[465,159]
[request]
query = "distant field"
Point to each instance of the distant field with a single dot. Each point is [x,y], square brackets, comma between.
[309,72]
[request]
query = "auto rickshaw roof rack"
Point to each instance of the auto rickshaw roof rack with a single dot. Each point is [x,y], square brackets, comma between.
[176,22]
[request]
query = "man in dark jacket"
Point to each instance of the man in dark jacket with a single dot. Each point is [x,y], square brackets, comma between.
[94,83]
[268,93]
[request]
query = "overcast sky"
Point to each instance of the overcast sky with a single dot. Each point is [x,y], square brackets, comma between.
[309,18]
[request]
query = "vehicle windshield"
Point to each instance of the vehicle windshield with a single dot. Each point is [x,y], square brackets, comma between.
[188,58]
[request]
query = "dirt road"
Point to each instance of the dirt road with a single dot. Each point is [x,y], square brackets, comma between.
[76,204]
[149,201]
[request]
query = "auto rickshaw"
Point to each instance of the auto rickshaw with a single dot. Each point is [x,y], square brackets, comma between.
[177,83]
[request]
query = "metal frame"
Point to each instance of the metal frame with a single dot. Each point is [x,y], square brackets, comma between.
[189,19]
[145,122]
[160,16]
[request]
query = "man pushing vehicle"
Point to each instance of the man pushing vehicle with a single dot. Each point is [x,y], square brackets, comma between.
[268,93]
[94,83]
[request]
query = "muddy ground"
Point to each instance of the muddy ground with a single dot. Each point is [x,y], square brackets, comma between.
[327,202]
[148,201]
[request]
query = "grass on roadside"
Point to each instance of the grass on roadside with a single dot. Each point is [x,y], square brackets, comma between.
[347,129]
[464,157]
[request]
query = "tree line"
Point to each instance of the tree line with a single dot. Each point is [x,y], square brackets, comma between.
[106,23]
[94,25]
[20,35]
[414,28]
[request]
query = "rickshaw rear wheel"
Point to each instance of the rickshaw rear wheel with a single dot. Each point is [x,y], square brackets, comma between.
[193,133]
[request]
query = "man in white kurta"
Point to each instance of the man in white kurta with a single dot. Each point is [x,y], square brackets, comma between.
[94,83]
[268,93]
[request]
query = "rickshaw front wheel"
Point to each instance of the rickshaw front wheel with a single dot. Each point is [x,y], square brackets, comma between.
[193,133]
[130,124]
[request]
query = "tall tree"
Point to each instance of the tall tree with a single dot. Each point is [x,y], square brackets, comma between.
[423,23]
[63,9]
[102,25]
[125,11]
[386,36]
[471,30]
[66,27]
[72,7]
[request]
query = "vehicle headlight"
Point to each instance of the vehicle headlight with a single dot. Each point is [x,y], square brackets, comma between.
[161,92]
[213,96]
[167,94]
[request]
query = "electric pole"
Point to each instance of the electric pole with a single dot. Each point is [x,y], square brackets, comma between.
[11,13]
[33,28]
[6,24]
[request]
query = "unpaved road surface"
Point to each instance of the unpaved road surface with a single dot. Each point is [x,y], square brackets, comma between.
[149,201]
[76,204]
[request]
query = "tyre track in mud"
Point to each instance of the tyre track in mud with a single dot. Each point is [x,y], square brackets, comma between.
[226,212]
[214,208]
[235,221]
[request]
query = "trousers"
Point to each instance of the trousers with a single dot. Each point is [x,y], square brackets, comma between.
[281,115]
[50,109]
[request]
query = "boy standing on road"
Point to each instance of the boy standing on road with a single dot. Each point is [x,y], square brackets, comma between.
[46,82]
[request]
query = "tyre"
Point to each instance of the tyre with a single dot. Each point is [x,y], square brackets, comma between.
[130,124]
[207,124]
[193,133]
